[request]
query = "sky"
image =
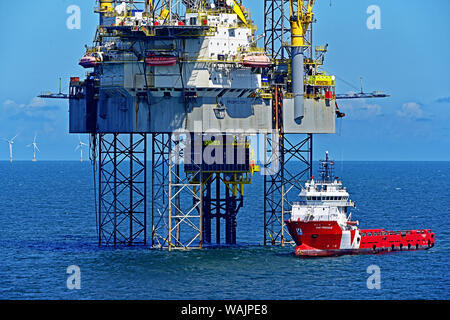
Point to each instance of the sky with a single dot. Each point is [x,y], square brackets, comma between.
[407,57]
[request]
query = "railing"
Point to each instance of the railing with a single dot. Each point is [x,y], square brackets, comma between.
[328,217]
[337,203]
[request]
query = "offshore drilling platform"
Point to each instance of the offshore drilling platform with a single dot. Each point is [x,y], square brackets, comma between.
[190,75]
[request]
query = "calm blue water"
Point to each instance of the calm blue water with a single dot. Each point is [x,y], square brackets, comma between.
[47,223]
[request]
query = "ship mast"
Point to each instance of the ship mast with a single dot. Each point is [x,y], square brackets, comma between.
[327,169]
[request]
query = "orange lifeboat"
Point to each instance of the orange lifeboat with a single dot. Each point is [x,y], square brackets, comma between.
[91,60]
[256,61]
[161,60]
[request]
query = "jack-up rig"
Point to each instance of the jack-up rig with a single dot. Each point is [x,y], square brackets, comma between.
[190,74]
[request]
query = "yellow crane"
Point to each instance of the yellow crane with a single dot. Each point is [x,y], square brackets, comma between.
[150,6]
[106,6]
[301,16]
[238,10]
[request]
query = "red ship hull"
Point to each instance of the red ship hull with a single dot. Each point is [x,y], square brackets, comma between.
[326,238]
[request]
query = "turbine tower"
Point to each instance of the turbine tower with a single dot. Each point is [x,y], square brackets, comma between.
[35,147]
[11,142]
[80,146]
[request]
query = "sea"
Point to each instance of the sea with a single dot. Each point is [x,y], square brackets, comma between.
[48,223]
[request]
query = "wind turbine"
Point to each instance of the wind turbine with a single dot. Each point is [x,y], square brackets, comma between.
[35,147]
[11,142]
[80,146]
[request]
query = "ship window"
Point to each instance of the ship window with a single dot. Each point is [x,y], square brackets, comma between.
[363,234]
[384,233]
[369,234]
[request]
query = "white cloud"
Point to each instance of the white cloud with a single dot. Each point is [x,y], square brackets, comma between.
[35,109]
[359,109]
[34,103]
[410,110]
[37,102]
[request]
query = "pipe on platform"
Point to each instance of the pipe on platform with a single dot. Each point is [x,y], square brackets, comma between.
[298,83]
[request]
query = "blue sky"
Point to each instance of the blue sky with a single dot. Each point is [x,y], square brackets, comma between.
[408,58]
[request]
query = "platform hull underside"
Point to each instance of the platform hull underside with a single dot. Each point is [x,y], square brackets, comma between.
[118,111]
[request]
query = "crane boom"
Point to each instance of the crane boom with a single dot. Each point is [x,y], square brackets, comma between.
[237,9]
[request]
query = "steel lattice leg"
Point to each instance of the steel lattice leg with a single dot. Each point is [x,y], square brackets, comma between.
[281,187]
[122,205]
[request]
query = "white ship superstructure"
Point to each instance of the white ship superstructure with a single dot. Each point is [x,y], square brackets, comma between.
[324,200]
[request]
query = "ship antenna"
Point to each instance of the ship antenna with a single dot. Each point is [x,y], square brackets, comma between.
[327,168]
